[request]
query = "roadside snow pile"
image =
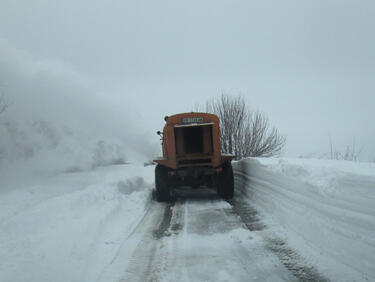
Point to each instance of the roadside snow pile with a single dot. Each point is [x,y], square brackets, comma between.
[69,227]
[323,209]
[329,176]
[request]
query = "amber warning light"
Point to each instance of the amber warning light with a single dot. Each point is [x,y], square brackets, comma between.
[192,120]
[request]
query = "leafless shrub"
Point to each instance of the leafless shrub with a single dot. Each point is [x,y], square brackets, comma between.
[3,104]
[350,154]
[244,133]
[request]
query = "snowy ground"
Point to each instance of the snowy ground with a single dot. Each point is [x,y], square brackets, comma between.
[68,227]
[291,220]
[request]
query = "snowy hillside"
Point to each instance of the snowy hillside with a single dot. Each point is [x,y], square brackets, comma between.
[291,220]
[57,121]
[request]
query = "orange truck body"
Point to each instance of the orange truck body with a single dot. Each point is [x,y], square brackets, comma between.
[192,140]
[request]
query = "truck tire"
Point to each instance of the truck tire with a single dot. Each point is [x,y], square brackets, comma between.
[226,182]
[161,183]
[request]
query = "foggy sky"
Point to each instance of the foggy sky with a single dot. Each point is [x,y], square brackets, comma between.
[309,65]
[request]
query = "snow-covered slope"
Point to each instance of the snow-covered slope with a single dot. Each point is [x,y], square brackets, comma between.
[325,210]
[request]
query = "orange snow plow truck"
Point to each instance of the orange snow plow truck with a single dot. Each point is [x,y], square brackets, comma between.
[192,156]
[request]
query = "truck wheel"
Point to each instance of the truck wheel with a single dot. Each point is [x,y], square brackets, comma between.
[226,182]
[161,183]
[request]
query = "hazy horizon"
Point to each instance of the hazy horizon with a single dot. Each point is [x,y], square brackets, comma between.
[309,66]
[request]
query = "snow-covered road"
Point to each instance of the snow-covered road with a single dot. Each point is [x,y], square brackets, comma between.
[199,237]
[290,220]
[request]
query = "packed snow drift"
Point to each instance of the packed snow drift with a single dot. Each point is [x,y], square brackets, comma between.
[324,210]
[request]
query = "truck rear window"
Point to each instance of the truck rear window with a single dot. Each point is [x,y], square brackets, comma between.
[193,140]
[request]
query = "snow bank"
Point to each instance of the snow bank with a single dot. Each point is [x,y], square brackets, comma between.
[323,209]
[69,227]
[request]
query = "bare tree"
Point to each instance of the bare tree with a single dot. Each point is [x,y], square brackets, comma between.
[244,133]
[3,104]
[350,154]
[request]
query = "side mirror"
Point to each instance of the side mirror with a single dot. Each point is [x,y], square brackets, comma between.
[158,133]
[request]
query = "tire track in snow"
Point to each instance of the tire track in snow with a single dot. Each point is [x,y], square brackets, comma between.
[165,223]
[167,266]
[143,257]
[134,257]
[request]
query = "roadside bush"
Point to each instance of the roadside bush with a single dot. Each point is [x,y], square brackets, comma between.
[244,133]
[3,104]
